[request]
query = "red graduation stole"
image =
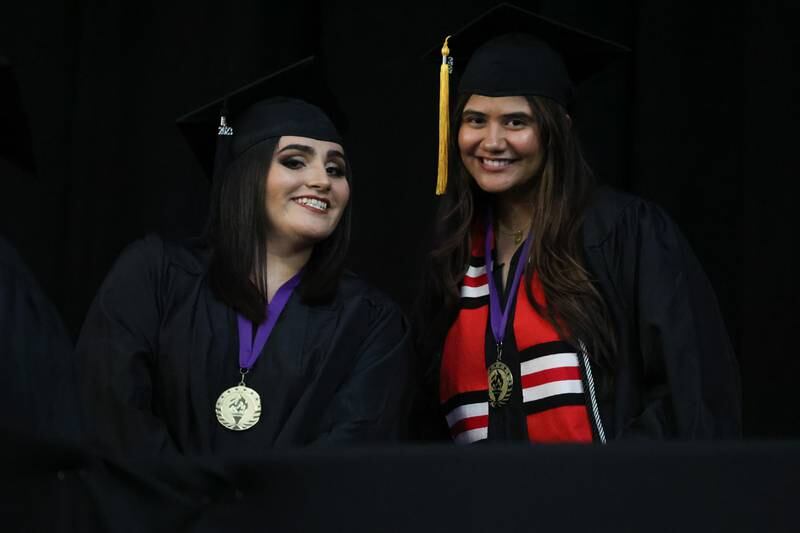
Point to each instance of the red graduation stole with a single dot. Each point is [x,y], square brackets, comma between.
[553,395]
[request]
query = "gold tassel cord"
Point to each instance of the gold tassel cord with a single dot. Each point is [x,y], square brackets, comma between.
[444,119]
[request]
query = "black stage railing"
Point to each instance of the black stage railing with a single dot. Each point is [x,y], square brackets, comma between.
[642,487]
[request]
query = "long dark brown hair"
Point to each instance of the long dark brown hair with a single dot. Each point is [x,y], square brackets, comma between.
[237,234]
[562,191]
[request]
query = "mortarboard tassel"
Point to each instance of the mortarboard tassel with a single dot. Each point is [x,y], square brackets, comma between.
[444,119]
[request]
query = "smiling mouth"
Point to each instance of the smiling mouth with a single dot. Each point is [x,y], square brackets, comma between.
[495,163]
[315,204]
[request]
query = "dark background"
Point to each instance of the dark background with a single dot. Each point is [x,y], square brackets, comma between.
[700,118]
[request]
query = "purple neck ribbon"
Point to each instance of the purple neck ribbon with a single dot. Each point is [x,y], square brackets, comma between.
[250,348]
[499,317]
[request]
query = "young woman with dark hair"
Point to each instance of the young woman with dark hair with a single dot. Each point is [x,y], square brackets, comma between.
[239,235]
[254,337]
[557,310]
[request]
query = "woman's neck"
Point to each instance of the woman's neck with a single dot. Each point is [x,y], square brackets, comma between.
[512,220]
[512,212]
[282,264]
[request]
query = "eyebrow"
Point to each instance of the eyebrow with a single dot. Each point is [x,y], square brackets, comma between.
[310,150]
[299,147]
[518,115]
[515,115]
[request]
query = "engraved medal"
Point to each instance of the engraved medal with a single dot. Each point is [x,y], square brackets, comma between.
[238,408]
[501,381]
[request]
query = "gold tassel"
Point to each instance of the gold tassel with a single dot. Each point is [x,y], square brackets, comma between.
[444,119]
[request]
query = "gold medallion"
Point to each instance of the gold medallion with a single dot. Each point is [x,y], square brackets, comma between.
[238,408]
[501,382]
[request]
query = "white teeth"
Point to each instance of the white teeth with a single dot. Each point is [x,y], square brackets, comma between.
[496,163]
[313,202]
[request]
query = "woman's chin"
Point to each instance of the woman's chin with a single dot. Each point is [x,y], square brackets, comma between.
[310,236]
[494,186]
[299,234]
[502,184]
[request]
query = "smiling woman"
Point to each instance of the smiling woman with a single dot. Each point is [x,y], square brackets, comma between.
[253,336]
[307,191]
[557,310]
[499,143]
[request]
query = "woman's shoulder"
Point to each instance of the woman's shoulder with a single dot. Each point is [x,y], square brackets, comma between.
[613,213]
[21,292]
[154,253]
[152,272]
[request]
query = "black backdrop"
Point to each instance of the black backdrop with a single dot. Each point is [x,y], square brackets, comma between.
[701,118]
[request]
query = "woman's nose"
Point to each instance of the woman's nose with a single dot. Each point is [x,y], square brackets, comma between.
[494,139]
[319,179]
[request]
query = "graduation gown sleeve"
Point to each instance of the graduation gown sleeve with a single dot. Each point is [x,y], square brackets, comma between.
[116,350]
[372,403]
[676,375]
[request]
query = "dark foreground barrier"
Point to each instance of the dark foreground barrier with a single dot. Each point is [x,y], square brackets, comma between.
[709,487]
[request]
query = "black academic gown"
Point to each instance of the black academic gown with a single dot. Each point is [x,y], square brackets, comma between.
[38,391]
[675,373]
[39,420]
[157,348]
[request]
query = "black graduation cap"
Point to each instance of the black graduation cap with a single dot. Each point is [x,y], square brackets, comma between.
[509,51]
[292,101]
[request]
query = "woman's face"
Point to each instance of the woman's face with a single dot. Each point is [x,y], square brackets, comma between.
[499,142]
[306,191]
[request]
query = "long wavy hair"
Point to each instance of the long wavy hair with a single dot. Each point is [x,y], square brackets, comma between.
[562,190]
[237,234]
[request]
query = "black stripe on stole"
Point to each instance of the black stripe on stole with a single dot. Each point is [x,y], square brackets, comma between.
[474,303]
[476,261]
[551,402]
[465,398]
[545,348]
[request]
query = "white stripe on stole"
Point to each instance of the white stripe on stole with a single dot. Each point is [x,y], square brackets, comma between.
[471,435]
[554,388]
[547,362]
[467,411]
[474,292]
[474,272]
